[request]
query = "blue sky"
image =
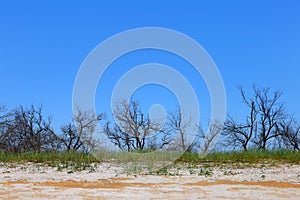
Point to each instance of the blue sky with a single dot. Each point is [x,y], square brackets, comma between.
[43,43]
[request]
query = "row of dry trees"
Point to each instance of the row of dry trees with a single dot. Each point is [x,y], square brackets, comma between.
[27,129]
[266,126]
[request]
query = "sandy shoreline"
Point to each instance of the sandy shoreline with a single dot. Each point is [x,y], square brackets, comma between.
[118,181]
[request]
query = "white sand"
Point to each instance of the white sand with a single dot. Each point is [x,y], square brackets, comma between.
[119,181]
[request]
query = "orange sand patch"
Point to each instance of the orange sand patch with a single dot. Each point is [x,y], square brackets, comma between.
[89,185]
[263,183]
[116,183]
[104,184]
[10,183]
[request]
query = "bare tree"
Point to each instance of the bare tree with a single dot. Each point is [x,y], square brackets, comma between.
[179,125]
[289,132]
[240,135]
[271,113]
[5,118]
[133,129]
[5,124]
[29,131]
[70,139]
[209,139]
[3,115]
[260,127]
[121,139]
[81,135]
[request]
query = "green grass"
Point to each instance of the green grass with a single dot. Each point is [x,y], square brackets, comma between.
[124,156]
[83,159]
[40,157]
[251,157]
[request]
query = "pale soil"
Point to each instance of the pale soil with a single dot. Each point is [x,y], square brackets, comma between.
[129,181]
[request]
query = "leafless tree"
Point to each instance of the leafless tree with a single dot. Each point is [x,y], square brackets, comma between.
[29,130]
[5,124]
[5,118]
[81,134]
[190,136]
[240,135]
[178,125]
[70,139]
[208,140]
[260,127]
[3,115]
[289,131]
[133,129]
[271,113]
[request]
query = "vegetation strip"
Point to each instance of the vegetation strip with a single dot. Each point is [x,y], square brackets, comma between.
[214,158]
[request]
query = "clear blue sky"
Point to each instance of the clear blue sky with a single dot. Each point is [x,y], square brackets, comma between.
[43,43]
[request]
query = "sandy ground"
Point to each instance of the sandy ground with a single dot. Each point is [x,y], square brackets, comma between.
[117,181]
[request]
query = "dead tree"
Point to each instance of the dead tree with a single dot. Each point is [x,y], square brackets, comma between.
[208,139]
[259,130]
[5,124]
[289,131]
[81,134]
[271,113]
[29,130]
[239,135]
[179,125]
[132,129]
